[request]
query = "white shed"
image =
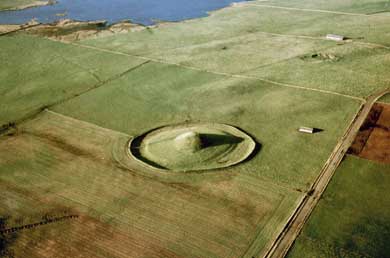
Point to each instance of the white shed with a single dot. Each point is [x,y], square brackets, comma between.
[335,37]
[303,129]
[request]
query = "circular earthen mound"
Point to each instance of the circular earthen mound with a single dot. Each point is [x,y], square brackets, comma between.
[192,147]
[188,141]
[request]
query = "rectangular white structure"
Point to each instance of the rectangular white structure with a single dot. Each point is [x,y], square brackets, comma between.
[335,37]
[306,129]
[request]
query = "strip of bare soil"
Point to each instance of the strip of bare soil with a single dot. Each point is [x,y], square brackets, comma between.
[373,139]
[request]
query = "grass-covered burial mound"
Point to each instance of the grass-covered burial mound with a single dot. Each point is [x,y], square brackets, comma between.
[191,147]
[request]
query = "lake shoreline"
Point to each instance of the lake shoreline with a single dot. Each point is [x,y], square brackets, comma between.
[96,28]
[146,14]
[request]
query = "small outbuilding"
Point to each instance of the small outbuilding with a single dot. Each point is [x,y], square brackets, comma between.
[335,37]
[303,129]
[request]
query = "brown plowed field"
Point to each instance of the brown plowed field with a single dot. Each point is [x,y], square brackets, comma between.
[373,139]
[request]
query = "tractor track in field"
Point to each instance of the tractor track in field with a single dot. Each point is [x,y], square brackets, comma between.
[294,226]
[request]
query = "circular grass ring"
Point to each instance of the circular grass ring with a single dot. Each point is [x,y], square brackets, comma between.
[192,147]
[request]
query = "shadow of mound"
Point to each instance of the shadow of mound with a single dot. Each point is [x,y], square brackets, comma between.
[211,140]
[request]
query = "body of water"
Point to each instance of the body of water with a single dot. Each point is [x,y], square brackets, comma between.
[145,12]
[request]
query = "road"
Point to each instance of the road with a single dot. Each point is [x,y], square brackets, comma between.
[287,237]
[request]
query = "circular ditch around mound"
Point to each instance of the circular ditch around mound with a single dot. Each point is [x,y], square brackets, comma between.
[192,147]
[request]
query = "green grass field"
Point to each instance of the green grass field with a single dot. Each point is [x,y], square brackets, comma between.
[249,41]
[270,113]
[353,217]
[174,94]
[37,73]
[78,168]
[265,70]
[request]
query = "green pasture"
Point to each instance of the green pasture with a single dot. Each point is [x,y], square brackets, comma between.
[353,217]
[349,69]
[73,167]
[155,95]
[264,42]
[57,165]
[36,73]
[218,69]
[242,54]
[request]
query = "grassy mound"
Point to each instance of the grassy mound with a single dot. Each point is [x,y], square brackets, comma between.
[190,147]
[188,141]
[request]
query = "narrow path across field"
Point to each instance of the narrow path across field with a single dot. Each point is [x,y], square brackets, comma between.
[302,213]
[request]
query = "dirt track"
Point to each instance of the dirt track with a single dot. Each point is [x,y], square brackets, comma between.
[294,226]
